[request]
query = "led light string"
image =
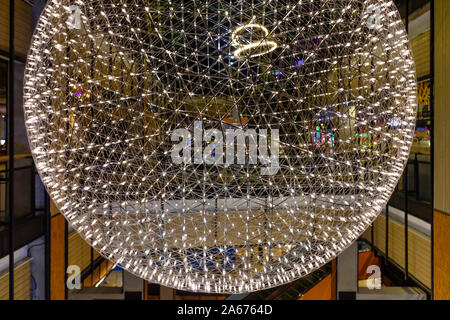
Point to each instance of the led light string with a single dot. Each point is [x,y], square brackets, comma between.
[107,84]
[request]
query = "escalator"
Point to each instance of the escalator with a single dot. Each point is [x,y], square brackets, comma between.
[290,291]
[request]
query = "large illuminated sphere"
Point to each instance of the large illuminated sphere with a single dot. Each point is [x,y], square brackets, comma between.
[107,83]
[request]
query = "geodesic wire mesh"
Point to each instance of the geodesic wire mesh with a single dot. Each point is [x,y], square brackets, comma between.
[108,82]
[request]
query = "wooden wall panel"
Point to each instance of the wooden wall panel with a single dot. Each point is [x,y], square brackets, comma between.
[22,281]
[367,235]
[22,34]
[53,208]
[334,279]
[57,258]
[397,242]
[379,233]
[322,291]
[79,251]
[4,25]
[80,254]
[421,50]
[145,290]
[96,255]
[366,259]
[441,256]
[419,247]
[419,256]
[442,151]
[442,107]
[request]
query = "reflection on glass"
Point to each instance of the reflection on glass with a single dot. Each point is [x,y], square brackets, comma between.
[418,185]
[422,137]
[3,100]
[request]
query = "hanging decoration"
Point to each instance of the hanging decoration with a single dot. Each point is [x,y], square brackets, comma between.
[220,146]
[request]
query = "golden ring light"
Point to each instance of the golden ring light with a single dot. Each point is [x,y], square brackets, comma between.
[242,48]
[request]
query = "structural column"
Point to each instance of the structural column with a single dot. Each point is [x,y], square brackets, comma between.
[10,113]
[347,273]
[57,257]
[133,286]
[166,293]
[441,221]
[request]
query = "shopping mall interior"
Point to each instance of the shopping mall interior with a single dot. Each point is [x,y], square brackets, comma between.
[404,253]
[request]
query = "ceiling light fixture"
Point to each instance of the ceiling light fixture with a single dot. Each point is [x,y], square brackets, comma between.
[108,82]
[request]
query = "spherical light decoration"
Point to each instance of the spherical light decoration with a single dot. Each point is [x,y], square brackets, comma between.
[220,146]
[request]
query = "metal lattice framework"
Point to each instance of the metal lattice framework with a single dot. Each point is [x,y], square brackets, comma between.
[107,82]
